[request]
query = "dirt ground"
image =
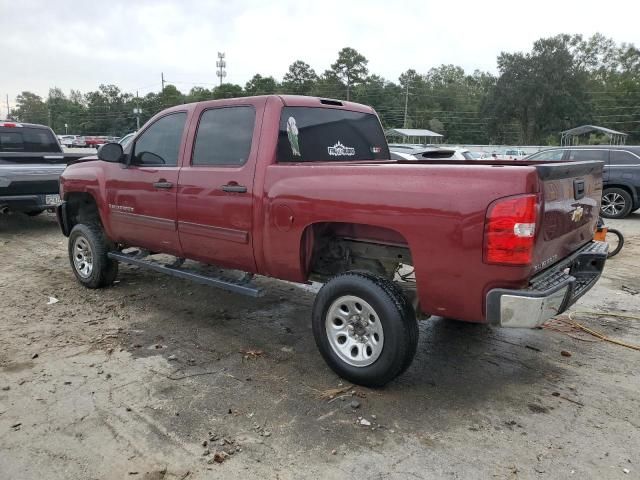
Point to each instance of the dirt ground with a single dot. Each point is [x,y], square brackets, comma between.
[155,377]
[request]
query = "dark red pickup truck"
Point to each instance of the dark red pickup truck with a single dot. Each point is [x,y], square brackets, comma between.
[302,188]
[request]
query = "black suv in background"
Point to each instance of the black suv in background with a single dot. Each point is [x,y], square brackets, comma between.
[621,176]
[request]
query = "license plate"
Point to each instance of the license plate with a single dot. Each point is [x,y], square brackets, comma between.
[52,199]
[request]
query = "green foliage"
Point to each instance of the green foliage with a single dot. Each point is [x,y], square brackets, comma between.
[260,85]
[350,68]
[300,79]
[564,81]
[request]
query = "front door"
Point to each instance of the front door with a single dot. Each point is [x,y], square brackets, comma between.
[215,195]
[142,195]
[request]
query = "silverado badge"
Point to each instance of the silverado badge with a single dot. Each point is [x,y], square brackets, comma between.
[576,215]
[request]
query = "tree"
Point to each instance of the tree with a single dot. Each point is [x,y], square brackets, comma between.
[350,68]
[228,90]
[300,79]
[541,92]
[260,85]
[30,109]
[199,94]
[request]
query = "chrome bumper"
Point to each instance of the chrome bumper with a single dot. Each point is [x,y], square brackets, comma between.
[551,292]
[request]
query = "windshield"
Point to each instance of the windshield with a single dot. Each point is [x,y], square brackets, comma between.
[26,139]
[468,156]
[312,134]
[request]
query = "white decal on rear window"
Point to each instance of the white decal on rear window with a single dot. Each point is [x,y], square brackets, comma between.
[339,150]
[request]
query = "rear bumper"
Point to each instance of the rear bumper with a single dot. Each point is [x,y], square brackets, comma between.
[25,203]
[551,292]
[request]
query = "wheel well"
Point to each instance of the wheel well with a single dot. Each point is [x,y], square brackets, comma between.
[331,248]
[82,208]
[630,190]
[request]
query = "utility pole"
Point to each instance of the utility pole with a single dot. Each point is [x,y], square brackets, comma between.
[137,111]
[406,105]
[8,111]
[221,65]
[162,79]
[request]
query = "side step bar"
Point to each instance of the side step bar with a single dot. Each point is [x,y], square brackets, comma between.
[231,285]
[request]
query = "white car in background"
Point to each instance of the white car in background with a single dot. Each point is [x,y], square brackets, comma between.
[429,152]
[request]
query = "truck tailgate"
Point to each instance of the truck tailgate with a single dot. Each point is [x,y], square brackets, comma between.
[571,194]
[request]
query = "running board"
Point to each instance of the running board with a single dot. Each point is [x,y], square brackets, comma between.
[231,285]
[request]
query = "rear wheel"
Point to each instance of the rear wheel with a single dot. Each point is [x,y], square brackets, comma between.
[365,328]
[88,248]
[616,203]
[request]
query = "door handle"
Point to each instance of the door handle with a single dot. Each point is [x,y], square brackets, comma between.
[163,184]
[234,187]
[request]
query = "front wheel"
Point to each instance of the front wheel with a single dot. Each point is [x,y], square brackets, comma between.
[365,328]
[88,248]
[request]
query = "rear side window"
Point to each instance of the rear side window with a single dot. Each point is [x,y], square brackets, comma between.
[224,136]
[25,139]
[548,155]
[160,144]
[309,134]
[619,157]
[601,155]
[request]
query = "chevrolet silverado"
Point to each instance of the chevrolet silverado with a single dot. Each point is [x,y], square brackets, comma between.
[302,188]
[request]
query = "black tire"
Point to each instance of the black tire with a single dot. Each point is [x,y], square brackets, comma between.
[104,270]
[34,213]
[397,320]
[618,234]
[616,203]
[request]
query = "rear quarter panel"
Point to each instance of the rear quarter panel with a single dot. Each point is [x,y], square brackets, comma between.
[439,210]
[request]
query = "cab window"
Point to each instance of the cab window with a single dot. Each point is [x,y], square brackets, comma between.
[224,136]
[159,145]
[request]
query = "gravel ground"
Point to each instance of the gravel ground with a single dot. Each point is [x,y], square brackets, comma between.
[155,378]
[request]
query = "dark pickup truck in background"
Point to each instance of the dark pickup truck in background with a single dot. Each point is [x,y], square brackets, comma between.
[31,161]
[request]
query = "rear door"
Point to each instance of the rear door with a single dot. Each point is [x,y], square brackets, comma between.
[599,154]
[142,196]
[215,195]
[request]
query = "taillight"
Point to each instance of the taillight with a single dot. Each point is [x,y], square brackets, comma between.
[510,229]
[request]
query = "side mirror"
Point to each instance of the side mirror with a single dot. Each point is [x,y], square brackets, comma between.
[111,152]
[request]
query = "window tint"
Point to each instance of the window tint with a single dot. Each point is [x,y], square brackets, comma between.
[548,155]
[160,143]
[310,134]
[583,155]
[619,157]
[25,139]
[224,136]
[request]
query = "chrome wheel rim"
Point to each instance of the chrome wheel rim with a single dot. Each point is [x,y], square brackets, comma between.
[82,257]
[354,331]
[612,203]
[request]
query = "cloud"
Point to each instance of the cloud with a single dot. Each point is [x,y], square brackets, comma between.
[78,44]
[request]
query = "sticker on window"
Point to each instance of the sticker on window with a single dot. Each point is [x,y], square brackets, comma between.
[292,133]
[339,150]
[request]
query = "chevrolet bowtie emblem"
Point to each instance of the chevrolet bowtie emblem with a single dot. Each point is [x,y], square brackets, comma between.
[576,215]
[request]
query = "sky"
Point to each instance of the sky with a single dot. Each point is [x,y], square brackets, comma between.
[80,44]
